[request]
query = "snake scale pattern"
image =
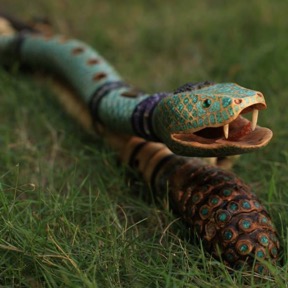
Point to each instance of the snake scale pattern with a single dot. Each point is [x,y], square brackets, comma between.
[199,120]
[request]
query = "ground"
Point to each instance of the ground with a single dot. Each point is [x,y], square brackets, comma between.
[70,216]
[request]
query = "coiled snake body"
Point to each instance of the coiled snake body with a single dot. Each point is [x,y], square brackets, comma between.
[202,119]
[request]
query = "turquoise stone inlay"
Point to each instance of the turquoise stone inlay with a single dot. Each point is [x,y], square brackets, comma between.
[228,234]
[214,201]
[274,251]
[230,257]
[180,107]
[257,204]
[226,192]
[246,224]
[246,205]
[260,254]
[212,119]
[264,240]
[219,117]
[195,198]
[204,211]
[260,269]
[264,220]
[222,217]
[215,107]
[195,98]
[225,115]
[226,101]
[233,206]
[243,248]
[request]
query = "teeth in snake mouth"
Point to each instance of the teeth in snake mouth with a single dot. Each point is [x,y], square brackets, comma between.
[254,119]
[226,130]
[255,113]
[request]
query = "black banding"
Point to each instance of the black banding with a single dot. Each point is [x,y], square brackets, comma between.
[18,25]
[100,93]
[142,116]
[17,45]
[135,152]
[157,169]
[13,53]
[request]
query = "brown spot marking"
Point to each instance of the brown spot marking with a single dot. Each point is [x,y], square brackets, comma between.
[238,101]
[99,76]
[93,61]
[47,37]
[77,50]
[62,39]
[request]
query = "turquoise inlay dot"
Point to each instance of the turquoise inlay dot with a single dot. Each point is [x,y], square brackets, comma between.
[186,100]
[195,198]
[180,107]
[228,234]
[214,201]
[230,111]
[204,211]
[246,205]
[264,220]
[222,217]
[273,237]
[260,269]
[233,206]
[264,240]
[226,102]
[257,204]
[195,125]
[225,115]
[207,103]
[243,248]
[260,254]
[190,107]
[219,117]
[226,192]
[274,251]
[185,114]
[194,98]
[212,119]
[230,257]
[215,107]
[200,122]
[246,224]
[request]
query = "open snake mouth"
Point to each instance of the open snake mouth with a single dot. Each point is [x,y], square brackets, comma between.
[240,134]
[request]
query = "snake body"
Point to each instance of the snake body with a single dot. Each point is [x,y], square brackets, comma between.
[223,211]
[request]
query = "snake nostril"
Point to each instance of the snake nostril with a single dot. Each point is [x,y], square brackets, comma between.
[238,101]
[259,94]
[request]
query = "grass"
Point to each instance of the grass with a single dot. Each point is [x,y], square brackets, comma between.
[69,216]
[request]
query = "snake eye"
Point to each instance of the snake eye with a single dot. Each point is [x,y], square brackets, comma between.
[206,103]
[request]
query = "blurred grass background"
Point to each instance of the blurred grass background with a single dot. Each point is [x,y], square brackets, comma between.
[68,216]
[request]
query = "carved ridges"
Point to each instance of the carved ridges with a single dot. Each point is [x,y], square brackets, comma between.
[193,86]
[225,214]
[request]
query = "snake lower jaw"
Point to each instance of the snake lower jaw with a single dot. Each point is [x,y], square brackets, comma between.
[209,142]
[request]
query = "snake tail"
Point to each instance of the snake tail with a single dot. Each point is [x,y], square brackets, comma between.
[218,206]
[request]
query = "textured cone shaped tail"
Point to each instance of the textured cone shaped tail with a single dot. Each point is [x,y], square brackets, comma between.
[226,215]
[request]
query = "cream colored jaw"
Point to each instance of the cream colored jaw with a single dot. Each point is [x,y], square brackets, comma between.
[255,113]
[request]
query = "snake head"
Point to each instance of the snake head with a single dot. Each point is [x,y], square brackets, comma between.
[209,121]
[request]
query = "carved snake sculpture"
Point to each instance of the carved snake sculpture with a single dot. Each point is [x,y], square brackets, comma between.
[202,119]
